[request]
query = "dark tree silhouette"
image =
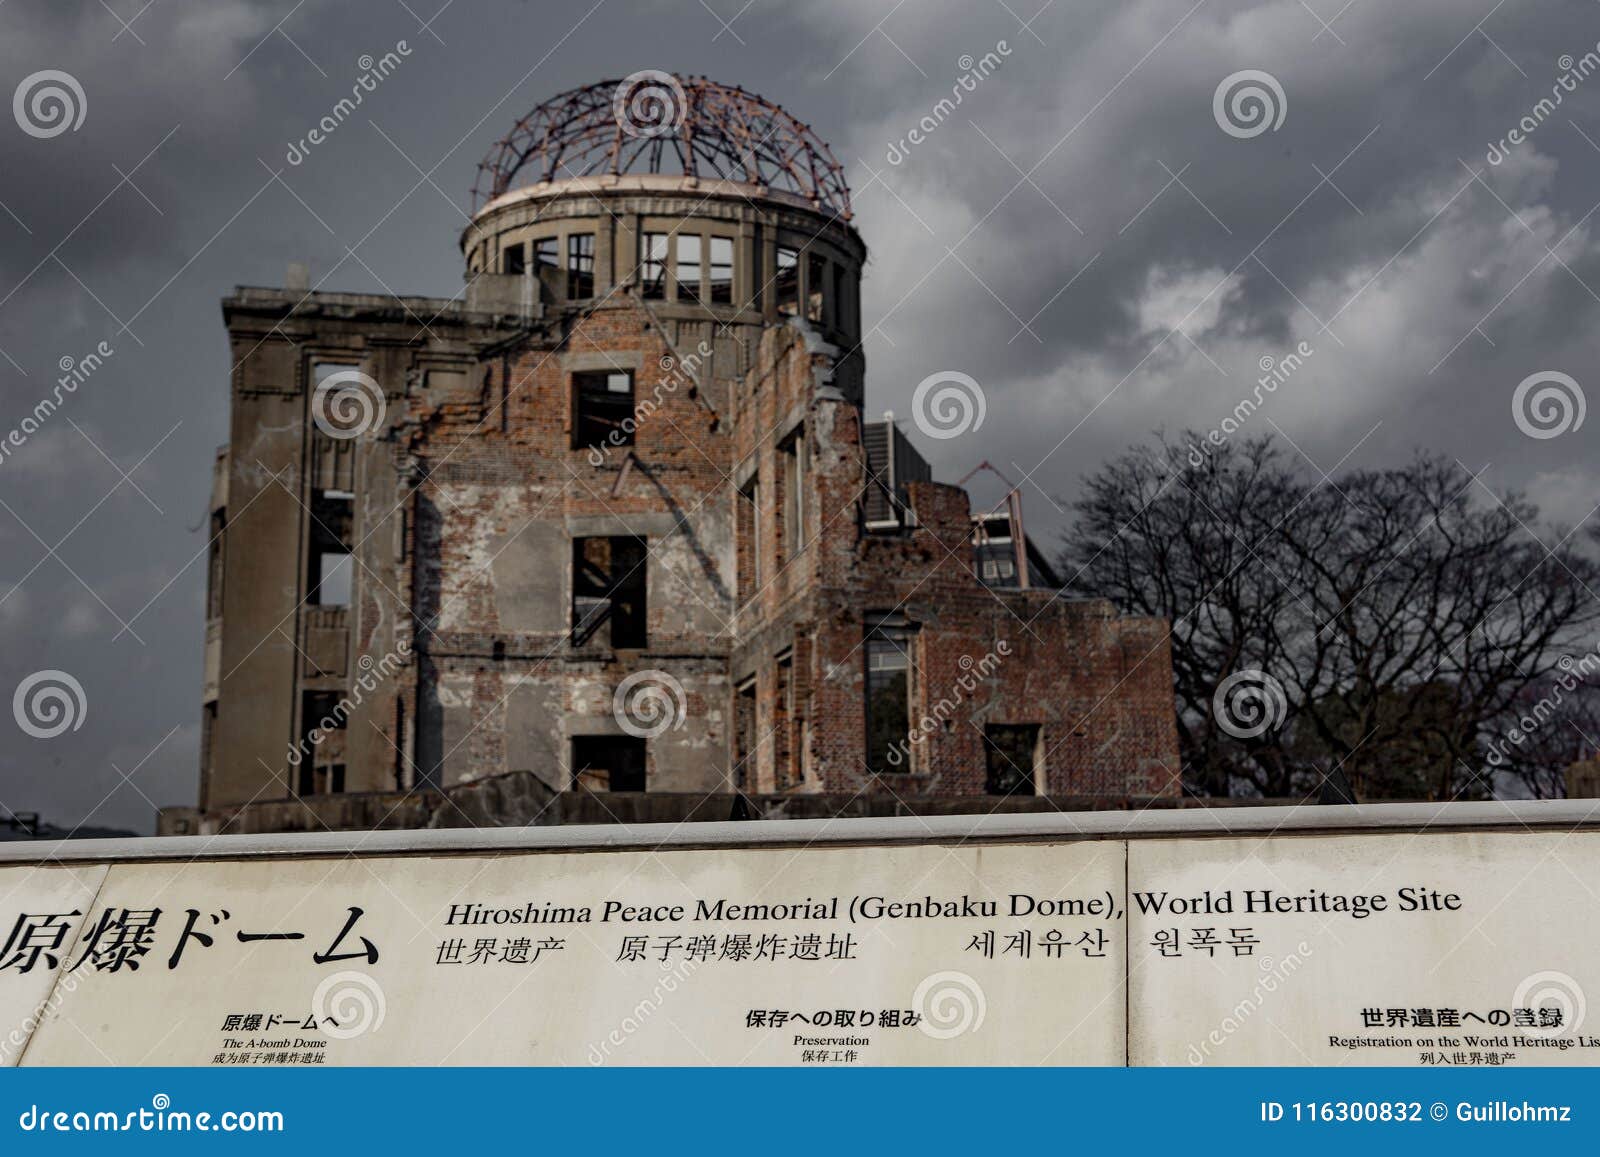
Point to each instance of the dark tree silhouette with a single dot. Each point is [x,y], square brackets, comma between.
[1380,626]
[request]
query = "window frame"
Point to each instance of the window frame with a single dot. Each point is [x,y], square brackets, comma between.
[580,266]
[783,305]
[618,580]
[1028,782]
[690,291]
[887,635]
[655,267]
[719,291]
[591,429]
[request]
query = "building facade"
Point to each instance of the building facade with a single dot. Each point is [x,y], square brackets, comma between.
[615,518]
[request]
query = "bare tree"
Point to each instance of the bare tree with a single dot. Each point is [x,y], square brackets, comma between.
[1373,627]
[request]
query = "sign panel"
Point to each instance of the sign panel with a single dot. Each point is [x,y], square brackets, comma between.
[970,955]
[1401,949]
[41,910]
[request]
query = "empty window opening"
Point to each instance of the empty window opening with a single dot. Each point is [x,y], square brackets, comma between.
[604,409]
[721,279]
[513,260]
[814,281]
[1011,753]
[785,765]
[547,267]
[688,267]
[219,522]
[330,574]
[747,514]
[792,460]
[322,736]
[608,590]
[608,763]
[208,737]
[889,687]
[786,282]
[580,265]
[744,736]
[333,580]
[653,248]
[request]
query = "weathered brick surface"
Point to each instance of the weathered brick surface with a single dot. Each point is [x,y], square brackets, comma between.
[470,494]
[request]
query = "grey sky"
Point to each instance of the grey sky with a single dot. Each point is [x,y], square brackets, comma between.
[1079,235]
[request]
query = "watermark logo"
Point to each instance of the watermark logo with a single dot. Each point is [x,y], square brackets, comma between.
[949,1004]
[374,672]
[1274,373]
[349,1004]
[373,73]
[675,373]
[972,71]
[1548,404]
[347,404]
[1573,73]
[672,977]
[649,104]
[948,404]
[1248,103]
[1274,974]
[48,103]
[74,373]
[1248,704]
[649,703]
[1555,1000]
[49,703]
[974,673]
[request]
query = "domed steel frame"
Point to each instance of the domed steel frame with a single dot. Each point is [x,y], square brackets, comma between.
[641,125]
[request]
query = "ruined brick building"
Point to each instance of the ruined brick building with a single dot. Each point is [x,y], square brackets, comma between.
[615,521]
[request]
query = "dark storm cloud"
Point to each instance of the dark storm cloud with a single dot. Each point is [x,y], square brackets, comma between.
[1090,152]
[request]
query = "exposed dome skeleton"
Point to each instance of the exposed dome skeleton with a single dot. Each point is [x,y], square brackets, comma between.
[654,122]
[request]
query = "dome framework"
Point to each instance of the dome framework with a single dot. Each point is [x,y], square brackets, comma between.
[654,122]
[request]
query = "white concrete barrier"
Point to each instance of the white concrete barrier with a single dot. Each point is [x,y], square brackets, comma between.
[1391,934]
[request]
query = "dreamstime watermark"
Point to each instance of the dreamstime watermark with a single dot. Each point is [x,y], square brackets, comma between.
[649,104]
[972,71]
[948,404]
[648,704]
[74,373]
[48,103]
[675,371]
[1249,703]
[49,703]
[973,672]
[348,1004]
[949,1004]
[1573,73]
[159,1118]
[347,403]
[635,1020]
[373,673]
[1548,404]
[12,1044]
[1553,1001]
[1574,673]
[1248,103]
[1274,373]
[1273,975]
[373,73]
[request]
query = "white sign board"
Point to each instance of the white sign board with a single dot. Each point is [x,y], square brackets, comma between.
[876,955]
[41,910]
[1404,949]
[1397,947]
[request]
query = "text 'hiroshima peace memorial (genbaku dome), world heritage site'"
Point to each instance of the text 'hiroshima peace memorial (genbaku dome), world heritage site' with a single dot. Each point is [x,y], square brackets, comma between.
[614,534]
